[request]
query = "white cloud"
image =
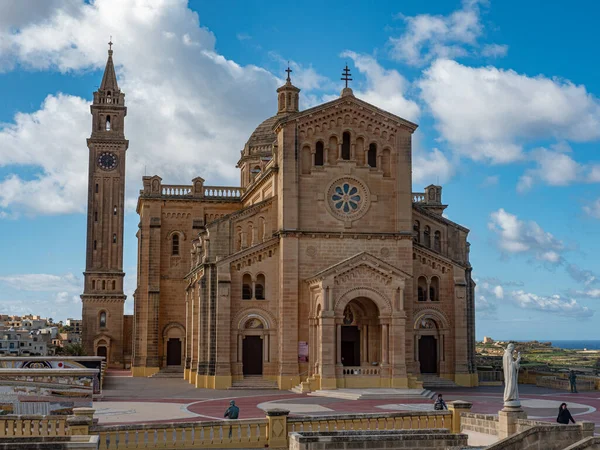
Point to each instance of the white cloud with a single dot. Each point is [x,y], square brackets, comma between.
[427,37]
[524,109]
[385,88]
[494,50]
[552,304]
[516,236]
[591,293]
[40,282]
[555,167]
[587,277]
[190,110]
[431,167]
[593,209]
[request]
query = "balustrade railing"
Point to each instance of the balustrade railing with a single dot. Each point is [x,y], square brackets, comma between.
[20,425]
[418,197]
[222,192]
[349,371]
[243,434]
[176,190]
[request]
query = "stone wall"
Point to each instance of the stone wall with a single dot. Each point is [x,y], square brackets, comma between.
[545,437]
[590,443]
[481,423]
[564,384]
[375,440]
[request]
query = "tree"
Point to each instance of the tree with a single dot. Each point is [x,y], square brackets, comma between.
[74,350]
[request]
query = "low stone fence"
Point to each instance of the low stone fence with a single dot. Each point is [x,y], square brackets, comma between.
[554,382]
[590,443]
[46,391]
[545,436]
[271,431]
[50,443]
[480,423]
[377,440]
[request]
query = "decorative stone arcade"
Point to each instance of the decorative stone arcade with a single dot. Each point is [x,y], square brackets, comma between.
[357,325]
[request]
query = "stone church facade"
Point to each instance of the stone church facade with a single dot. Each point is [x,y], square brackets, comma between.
[322,269]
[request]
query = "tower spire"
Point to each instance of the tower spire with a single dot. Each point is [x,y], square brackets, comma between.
[109,80]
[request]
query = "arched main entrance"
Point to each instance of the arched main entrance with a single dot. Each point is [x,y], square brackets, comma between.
[102,347]
[359,334]
[252,347]
[430,342]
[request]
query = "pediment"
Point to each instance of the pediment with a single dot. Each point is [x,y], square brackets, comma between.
[359,265]
[353,105]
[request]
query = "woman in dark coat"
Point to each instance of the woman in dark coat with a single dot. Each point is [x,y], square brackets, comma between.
[564,415]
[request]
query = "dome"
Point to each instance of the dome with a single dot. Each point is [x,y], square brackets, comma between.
[263,134]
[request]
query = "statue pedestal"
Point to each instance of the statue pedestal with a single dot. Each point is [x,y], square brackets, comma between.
[507,418]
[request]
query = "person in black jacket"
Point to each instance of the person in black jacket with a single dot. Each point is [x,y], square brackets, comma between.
[564,415]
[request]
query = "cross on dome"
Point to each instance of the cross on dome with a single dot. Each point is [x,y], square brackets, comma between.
[288,70]
[346,75]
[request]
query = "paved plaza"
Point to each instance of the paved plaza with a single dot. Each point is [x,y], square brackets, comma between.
[133,400]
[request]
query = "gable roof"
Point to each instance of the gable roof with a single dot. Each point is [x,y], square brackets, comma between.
[362,258]
[346,98]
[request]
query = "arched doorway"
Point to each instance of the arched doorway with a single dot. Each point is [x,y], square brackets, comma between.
[359,334]
[102,351]
[252,347]
[102,347]
[173,338]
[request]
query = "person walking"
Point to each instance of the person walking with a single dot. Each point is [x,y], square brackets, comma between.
[232,413]
[439,404]
[564,416]
[573,381]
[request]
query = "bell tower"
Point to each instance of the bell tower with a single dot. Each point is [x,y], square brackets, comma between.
[103,299]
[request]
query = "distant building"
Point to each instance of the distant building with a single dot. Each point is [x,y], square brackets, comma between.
[75,325]
[488,340]
[23,343]
[64,339]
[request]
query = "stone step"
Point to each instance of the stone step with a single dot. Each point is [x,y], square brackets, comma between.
[374,394]
[254,382]
[430,381]
[169,372]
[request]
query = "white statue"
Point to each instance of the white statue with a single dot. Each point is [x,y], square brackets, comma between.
[511,375]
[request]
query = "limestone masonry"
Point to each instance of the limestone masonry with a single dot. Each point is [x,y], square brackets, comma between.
[323,268]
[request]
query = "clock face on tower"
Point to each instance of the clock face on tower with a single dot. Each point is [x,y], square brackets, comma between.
[107,161]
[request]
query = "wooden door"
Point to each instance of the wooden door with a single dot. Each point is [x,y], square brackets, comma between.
[252,358]
[173,352]
[428,354]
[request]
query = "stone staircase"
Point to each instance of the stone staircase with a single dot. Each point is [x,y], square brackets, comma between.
[435,382]
[254,382]
[169,372]
[375,394]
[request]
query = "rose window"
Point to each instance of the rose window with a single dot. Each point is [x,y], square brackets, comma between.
[346,198]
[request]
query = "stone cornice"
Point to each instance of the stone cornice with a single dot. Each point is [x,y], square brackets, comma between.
[105,298]
[438,218]
[267,176]
[250,251]
[240,214]
[420,249]
[343,234]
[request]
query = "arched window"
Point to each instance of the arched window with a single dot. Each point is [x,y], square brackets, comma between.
[427,236]
[114,285]
[102,319]
[175,245]
[108,97]
[434,289]
[422,289]
[103,285]
[259,287]
[319,154]
[95,216]
[289,99]
[107,127]
[96,188]
[281,101]
[114,238]
[437,241]
[115,210]
[372,155]
[346,145]
[247,287]
[93,284]
[417,231]
[95,245]
[254,172]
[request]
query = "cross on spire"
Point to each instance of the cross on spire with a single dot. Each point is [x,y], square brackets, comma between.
[288,70]
[346,75]
[110,44]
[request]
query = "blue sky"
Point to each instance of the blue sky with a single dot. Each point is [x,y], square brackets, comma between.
[505,95]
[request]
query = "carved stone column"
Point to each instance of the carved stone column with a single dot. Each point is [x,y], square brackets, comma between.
[338,346]
[384,343]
